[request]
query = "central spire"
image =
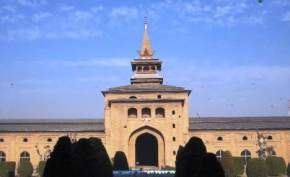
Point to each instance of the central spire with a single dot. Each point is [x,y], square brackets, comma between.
[146,51]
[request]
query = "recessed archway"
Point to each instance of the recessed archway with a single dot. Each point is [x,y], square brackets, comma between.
[146,137]
[146,148]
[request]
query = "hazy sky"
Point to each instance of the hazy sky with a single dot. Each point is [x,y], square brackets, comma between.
[57,55]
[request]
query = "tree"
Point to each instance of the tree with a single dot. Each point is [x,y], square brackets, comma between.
[25,169]
[120,161]
[276,165]
[59,162]
[7,169]
[104,164]
[238,166]
[257,167]
[288,170]
[189,158]
[40,168]
[228,164]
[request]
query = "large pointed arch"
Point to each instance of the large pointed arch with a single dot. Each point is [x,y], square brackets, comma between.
[146,130]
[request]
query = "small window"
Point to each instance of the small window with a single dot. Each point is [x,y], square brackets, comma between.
[173,125]
[146,68]
[24,156]
[146,113]
[173,138]
[2,156]
[246,155]
[132,97]
[219,154]
[220,138]
[25,140]
[270,137]
[49,140]
[1,140]
[174,152]
[160,112]
[158,96]
[173,112]
[132,112]
[272,153]
[245,138]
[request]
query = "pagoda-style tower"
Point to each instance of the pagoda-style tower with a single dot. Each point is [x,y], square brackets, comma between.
[146,68]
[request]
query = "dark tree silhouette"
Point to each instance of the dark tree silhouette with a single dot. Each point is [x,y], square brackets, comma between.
[189,158]
[211,167]
[192,160]
[120,161]
[104,165]
[84,159]
[59,163]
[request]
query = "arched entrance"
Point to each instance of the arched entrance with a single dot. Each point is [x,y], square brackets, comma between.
[146,148]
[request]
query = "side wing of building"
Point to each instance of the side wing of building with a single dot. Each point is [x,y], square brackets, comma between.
[239,135]
[35,139]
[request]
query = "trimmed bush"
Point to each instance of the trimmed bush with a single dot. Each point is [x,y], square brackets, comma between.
[228,164]
[40,168]
[276,166]
[120,161]
[7,169]
[257,167]
[25,169]
[288,170]
[239,163]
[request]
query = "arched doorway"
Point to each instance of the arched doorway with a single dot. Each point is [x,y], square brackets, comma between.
[139,138]
[146,148]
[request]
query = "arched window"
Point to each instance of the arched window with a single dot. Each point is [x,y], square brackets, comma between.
[49,140]
[160,112]
[246,155]
[270,137]
[132,97]
[219,154]
[146,69]
[24,156]
[1,140]
[245,138]
[220,138]
[132,112]
[2,156]
[25,140]
[272,153]
[146,112]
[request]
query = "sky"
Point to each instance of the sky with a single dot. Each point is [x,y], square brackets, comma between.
[57,56]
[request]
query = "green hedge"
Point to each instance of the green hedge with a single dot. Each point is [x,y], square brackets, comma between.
[276,166]
[288,170]
[25,169]
[228,164]
[257,167]
[7,169]
[239,163]
[40,168]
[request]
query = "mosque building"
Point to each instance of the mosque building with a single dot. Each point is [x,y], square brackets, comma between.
[148,121]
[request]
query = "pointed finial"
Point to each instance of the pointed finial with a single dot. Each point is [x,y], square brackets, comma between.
[145,23]
[146,52]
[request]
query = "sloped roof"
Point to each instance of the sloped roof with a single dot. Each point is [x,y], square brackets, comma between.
[97,125]
[240,123]
[51,125]
[146,88]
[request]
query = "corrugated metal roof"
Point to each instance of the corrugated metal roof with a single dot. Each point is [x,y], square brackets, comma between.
[240,123]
